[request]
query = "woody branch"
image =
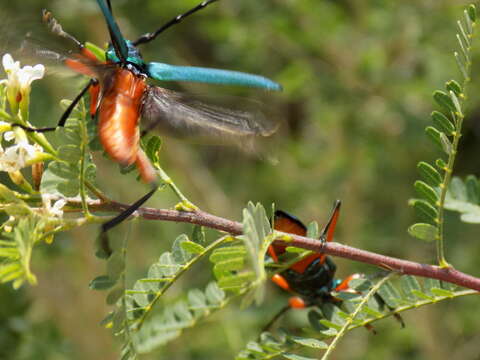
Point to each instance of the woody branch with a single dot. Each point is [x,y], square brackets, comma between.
[404,267]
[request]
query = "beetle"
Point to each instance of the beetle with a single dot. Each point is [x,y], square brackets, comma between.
[311,280]
[120,96]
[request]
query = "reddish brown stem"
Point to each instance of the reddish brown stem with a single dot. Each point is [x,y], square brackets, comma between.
[450,275]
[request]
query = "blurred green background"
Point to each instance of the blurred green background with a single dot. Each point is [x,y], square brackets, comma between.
[358,78]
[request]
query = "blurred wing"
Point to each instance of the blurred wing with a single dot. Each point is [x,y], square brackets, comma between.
[47,43]
[166,72]
[177,115]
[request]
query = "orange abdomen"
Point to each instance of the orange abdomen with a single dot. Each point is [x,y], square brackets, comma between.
[119,114]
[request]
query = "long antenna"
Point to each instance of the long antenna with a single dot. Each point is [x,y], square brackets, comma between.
[177,19]
[118,41]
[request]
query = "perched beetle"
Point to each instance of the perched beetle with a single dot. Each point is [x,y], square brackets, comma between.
[312,279]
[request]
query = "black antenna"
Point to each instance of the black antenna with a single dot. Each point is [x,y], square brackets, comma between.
[177,19]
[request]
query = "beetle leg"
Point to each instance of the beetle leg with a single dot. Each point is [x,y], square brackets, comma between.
[65,115]
[281,281]
[296,302]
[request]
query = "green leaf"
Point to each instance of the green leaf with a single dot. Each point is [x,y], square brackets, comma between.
[441,292]
[198,234]
[290,356]
[61,178]
[454,86]
[409,286]
[180,256]
[361,284]
[389,294]
[429,174]
[229,265]
[434,135]
[446,144]
[463,45]
[70,153]
[152,148]
[456,103]
[192,247]
[114,295]
[461,66]
[473,189]
[227,253]
[332,314]
[427,192]
[471,218]
[141,293]
[236,282]
[8,269]
[444,100]
[423,231]
[197,298]
[460,198]
[443,123]
[457,189]
[214,294]
[102,282]
[167,265]
[472,12]
[312,230]
[309,342]
[441,164]
[465,39]
[429,284]
[115,265]
[424,209]
[468,22]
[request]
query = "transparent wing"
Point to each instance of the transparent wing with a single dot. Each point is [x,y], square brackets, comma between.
[42,40]
[178,115]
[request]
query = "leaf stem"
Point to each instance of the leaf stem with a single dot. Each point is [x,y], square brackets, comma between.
[185,204]
[458,118]
[352,316]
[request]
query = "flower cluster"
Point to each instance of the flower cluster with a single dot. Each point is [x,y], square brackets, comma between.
[18,85]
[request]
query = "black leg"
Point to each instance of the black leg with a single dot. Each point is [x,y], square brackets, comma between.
[150,36]
[65,115]
[121,217]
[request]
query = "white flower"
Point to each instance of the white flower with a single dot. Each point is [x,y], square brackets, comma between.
[16,156]
[56,209]
[9,135]
[28,74]
[20,79]
[9,65]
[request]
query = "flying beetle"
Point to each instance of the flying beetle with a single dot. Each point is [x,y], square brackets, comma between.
[120,96]
[312,279]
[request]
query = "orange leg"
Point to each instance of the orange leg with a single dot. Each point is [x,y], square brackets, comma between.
[280,281]
[297,302]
